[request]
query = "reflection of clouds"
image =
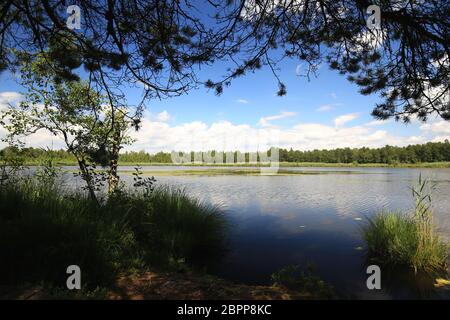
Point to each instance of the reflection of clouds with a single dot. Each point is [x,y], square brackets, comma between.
[348,195]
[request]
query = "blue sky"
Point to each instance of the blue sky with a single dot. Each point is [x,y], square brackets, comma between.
[325,112]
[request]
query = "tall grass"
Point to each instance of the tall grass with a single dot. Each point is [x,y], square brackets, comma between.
[409,240]
[187,228]
[45,228]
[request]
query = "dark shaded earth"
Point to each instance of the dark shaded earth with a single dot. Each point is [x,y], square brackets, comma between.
[173,286]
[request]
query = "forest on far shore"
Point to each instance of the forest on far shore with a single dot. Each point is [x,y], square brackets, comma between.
[428,152]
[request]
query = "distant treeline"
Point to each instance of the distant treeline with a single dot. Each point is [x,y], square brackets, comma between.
[429,152]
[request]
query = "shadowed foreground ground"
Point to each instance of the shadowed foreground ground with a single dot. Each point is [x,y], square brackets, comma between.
[185,286]
[164,286]
[179,286]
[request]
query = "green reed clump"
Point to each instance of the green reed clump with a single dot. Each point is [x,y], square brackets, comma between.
[45,228]
[186,227]
[408,240]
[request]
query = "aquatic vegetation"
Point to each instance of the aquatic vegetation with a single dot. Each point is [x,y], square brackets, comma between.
[218,171]
[304,280]
[44,228]
[410,240]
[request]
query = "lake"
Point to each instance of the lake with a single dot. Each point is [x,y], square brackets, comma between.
[316,217]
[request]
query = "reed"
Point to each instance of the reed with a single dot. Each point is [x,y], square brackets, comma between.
[398,239]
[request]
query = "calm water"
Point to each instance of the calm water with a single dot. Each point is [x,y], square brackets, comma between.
[281,220]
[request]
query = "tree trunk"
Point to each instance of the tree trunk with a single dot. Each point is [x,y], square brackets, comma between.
[113,177]
[88,179]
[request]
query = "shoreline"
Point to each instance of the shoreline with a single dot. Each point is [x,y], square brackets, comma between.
[437,165]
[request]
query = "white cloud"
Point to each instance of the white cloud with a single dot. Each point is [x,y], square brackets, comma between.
[437,130]
[327,107]
[155,136]
[377,123]
[224,135]
[265,121]
[163,116]
[9,97]
[341,120]
[440,138]
[139,83]
[40,139]
[243,101]
[441,127]
[333,95]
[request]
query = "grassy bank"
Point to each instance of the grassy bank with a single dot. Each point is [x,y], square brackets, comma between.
[408,240]
[44,229]
[443,164]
